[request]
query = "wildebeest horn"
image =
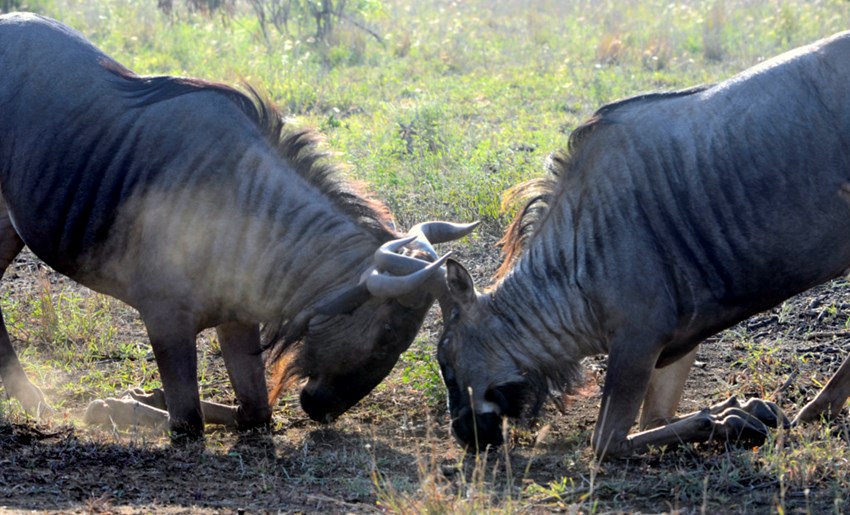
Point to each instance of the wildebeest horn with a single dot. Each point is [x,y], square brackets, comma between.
[428,233]
[377,283]
[387,259]
[395,275]
[441,232]
[390,286]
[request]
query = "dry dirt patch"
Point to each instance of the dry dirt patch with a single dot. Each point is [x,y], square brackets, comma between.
[394,445]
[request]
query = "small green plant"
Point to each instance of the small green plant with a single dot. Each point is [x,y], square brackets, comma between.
[419,370]
[764,372]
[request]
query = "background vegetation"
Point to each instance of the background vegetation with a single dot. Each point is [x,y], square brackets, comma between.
[439,106]
[460,99]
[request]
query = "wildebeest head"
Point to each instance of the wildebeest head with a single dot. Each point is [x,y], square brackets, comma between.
[345,356]
[351,342]
[483,386]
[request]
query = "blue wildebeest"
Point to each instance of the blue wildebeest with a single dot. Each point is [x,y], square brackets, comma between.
[674,216]
[197,205]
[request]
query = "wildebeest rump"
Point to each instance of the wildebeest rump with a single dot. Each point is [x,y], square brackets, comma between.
[197,205]
[674,216]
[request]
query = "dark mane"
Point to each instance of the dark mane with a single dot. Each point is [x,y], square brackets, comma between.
[301,148]
[539,193]
[647,97]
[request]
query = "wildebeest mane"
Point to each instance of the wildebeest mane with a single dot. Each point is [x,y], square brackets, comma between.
[302,148]
[539,193]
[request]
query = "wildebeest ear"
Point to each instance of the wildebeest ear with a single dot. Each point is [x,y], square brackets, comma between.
[459,282]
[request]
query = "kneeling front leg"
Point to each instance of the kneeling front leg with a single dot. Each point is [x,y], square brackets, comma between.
[240,346]
[137,408]
[627,384]
[729,421]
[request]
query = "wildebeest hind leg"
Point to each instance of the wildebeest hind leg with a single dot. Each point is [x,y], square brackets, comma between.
[15,380]
[830,400]
[664,392]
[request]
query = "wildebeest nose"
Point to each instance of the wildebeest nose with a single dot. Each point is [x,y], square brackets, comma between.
[479,430]
[320,406]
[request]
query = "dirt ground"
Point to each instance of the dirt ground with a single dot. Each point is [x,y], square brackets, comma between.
[395,442]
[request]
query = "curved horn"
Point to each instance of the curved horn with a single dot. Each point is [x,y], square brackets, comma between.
[441,232]
[394,245]
[393,275]
[433,232]
[387,260]
[385,286]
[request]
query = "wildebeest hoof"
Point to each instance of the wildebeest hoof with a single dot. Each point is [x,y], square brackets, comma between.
[766,412]
[185,437]
[740,427]
[32,400]
[181,431]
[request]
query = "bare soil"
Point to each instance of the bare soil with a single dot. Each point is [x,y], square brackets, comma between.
[395,443]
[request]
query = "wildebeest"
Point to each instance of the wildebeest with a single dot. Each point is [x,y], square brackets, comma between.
[672,216]
[197,205]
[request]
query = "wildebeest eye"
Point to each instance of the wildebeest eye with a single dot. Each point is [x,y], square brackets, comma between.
[508,397]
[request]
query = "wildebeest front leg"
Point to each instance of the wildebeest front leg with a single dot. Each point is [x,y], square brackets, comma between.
[172,332]
[124,413]
[626,383]
[729,421]
[138,408]
[665,390]
[240,347]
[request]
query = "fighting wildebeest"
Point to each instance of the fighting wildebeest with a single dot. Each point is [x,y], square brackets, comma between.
[196,204]
[672,216]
